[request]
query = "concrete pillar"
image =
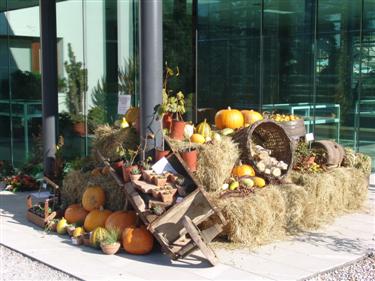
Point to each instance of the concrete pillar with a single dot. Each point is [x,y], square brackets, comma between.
[151,68]
[48,45]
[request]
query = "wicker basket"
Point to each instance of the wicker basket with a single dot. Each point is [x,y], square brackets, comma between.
[269,135]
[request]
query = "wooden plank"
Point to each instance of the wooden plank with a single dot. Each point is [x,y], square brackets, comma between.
[210,233]
[170,223]
[196,237]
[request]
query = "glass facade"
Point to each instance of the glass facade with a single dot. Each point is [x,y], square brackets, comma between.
[314,58]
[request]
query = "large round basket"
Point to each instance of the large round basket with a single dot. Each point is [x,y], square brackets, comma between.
[269,135]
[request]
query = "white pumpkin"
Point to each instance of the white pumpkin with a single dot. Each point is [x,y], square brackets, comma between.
[216,136]
[188,131]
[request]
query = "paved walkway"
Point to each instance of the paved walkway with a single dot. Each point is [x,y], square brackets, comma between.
[346,240]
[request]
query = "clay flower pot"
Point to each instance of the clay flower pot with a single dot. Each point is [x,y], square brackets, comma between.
[146,175]
[70,229]
[177,131]
[77,240]
[126,172]
[167,121]
[117,165]
[160,181]
[79,128]
[160,154]
[135,177]
[190,158]
[110,249]
[86,239]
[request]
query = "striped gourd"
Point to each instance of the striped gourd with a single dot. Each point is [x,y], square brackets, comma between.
[203,129]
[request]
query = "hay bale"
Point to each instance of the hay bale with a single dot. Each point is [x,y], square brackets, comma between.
[308,202]
[75,183]
[107,139]
[254,220]
[357,160]
[215,163]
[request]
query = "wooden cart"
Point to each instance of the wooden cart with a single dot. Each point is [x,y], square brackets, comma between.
[178,229]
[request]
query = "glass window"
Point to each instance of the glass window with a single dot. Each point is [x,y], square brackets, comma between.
[338,40]
[365,103]
[228,55]
[288,55]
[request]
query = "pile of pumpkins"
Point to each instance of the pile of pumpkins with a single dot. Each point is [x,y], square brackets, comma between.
[226,121]
[97,221]
[243,176]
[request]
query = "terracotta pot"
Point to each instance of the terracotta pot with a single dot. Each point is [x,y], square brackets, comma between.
[77,240]
[135,177]
[160,154]
[167,121]
[126,172]
[118,167]
[160,182]
[110,249]
[190,158]
[79,128]
[86,239]
[177,131]
[146,175]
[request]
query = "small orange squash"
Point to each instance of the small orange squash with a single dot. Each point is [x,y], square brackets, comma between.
[197,138]
[96,218]
[75,214]
[93,198]
[137,240]
[243,170]
[251,116]
[229,118]
[121,220]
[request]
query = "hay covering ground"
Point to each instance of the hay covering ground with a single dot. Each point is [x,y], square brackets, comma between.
[75,183]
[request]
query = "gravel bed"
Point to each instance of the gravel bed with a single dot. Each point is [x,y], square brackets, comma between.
[15,266]
[361,270]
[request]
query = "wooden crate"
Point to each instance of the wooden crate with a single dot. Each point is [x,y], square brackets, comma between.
[42,220]
[178,230]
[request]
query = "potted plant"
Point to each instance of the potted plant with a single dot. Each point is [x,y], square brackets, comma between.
[110,244]
[190,154]
[129,158]
[135,174]
[75,91]
[145,166]
[159,180]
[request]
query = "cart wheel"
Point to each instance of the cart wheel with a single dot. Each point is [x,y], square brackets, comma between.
[196,236]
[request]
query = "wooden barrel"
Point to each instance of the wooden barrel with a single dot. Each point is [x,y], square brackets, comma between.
[334,153]
[295,130]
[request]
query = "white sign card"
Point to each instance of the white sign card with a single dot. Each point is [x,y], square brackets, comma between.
[309,137]
[124,102]
[163,166]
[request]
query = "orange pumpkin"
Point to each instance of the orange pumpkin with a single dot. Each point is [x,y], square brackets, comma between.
[251,116]
[137,240]
[93,198]
[243,170]
[121,220]
[75,214]
[229,118]
[96,218]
